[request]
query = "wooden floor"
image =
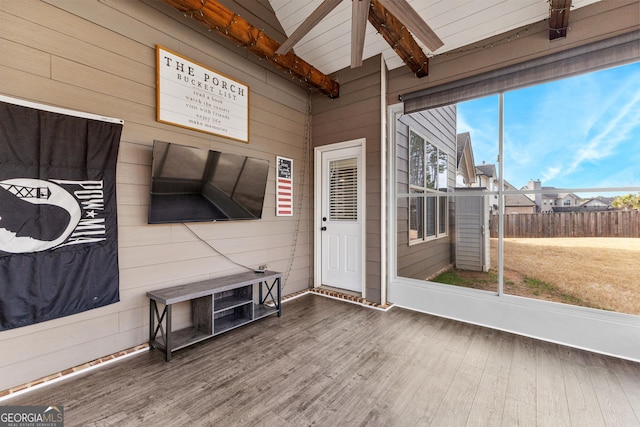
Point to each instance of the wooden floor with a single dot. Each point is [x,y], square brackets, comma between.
[331,363]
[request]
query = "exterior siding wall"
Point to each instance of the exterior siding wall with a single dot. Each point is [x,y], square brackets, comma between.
[356,114]
[99,57]
[438,126]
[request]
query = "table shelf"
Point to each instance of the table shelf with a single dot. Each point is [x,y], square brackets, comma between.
[217,306]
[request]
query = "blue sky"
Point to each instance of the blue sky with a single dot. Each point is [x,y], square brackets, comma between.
[581,132]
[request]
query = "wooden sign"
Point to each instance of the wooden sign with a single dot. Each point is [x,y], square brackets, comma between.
[193,96]
[284,186]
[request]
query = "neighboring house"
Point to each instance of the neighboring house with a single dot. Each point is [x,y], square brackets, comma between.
[465,165]
[549,199]
[598,203]
[488,178]
[552,201]
[517,203]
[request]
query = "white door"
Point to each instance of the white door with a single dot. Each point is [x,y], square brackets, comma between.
[341,219]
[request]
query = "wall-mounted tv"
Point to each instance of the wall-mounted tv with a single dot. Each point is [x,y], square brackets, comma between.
[192,184]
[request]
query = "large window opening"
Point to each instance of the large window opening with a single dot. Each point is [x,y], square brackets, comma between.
[425,154]
[428,178]
[545,205]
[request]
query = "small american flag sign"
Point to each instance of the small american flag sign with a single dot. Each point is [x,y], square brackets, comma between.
[284,187]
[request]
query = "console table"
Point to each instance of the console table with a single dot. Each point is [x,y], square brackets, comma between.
[217,305]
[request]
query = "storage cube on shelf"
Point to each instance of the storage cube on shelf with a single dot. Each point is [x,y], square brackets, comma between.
[232,298]
[232,317]
[217,305]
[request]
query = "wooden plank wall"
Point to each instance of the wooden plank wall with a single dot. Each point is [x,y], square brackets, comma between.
[99,57]
[438,125]
[357,114]
[570,224]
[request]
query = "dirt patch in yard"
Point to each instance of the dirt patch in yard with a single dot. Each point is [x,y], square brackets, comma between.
[591,272]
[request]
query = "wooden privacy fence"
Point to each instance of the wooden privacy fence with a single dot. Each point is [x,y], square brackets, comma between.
[570,224]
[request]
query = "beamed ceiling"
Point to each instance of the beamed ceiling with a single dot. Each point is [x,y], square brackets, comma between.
[325,36]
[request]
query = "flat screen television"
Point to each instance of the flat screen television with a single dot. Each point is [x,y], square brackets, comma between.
[191,184]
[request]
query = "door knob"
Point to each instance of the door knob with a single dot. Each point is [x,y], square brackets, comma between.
[323,229]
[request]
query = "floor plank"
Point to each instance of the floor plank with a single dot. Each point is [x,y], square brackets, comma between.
[584,408]
[629,377]
[551,400]
[489,401]
[330,363]
[517,413]
[613,401]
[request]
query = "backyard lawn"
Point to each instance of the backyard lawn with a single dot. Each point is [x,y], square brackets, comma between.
[592,272]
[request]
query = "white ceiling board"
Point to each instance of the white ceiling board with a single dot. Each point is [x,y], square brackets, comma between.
[457,22]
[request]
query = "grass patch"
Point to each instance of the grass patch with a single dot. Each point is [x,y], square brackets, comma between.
[596,272]
[542,288]
[469,279]
[451,277]
[515,284]
[538,286]
[526,286]
[571,299]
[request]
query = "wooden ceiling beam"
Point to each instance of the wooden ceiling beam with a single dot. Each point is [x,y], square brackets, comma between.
[558,18]
[229,24]
[359,14]
[414,22]
[399,38]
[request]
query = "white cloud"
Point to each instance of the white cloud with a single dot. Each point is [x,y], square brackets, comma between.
[575,132]
[550,173]
[615,131]
[462,125]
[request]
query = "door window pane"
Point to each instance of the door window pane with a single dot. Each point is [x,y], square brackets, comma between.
[343,190]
